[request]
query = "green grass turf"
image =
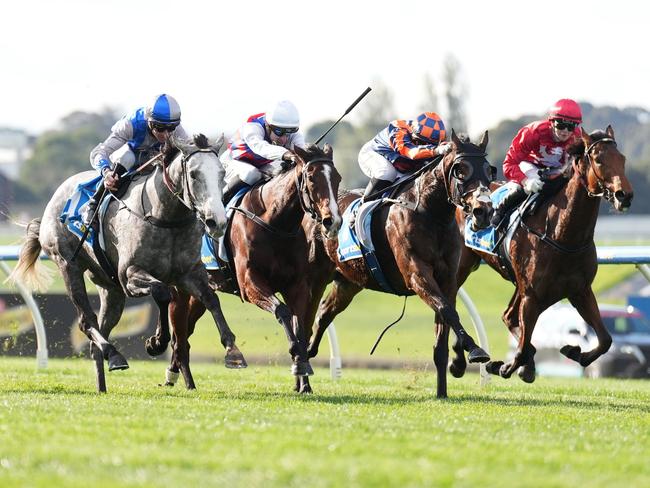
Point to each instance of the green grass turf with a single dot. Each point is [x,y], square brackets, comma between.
[372,428]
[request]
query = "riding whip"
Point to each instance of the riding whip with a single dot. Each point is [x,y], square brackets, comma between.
[87,227]
[354,104]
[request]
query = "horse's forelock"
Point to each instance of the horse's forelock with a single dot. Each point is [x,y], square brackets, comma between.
[201,141]
[597,135]
[314,151]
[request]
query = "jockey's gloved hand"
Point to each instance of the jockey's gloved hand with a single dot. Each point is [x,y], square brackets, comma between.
[289,159]
[532,185]
[112,177]
[443,148]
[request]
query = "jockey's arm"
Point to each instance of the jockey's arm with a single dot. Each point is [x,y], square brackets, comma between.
[121,132]
[524,143]
[253,135]
[403,144]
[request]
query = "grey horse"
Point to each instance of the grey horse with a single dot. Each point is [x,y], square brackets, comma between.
[152,238]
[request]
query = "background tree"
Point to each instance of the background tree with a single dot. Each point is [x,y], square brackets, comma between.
[455,94]
[430,96]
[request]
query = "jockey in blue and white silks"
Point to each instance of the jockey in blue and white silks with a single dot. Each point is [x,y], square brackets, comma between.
[260,146]
[133,140]
[140,135]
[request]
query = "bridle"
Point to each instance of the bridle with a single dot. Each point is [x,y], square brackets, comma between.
[455,182]
[604,192]
[306,201]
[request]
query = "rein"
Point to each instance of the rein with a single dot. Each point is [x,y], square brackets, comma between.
[306,203]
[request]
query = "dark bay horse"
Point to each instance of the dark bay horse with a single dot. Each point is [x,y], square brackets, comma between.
[418,246]
[270,255]
[153,240]
[553,254]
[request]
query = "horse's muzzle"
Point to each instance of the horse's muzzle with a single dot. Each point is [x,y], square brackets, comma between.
[622,200]
[331,226]
[215,229]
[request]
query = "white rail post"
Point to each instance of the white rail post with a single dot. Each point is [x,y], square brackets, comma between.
[41,338]
[480,331]
[335,354]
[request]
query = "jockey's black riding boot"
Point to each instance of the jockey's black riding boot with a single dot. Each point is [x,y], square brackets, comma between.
[232,188]
[374,188]
[93,203]
[515,196]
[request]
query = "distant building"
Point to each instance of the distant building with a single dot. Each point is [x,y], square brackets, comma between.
[15,147]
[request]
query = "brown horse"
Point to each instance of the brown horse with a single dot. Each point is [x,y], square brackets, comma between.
[418,247]
[270,255]
[553,254]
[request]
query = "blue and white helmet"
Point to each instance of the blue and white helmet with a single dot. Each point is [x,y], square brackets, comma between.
[164,110]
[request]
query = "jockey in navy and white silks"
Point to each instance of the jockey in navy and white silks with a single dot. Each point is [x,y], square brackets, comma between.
[401,148]
[138,136]
[260,146]
[133,140]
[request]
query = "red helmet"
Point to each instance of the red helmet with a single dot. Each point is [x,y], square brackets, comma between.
[429,127]
[566,109]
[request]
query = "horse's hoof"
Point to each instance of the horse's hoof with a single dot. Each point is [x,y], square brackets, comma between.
[456,371]
[526,374]
[505,371]
[235,359]
[302,368]
[493,367]
[154,347]
[117,362]
[572,352]
[478,355]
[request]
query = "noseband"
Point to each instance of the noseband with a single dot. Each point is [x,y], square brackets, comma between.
[306,201]
[605,192]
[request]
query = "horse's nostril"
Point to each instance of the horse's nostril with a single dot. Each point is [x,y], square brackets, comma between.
[327,222]
[210,223]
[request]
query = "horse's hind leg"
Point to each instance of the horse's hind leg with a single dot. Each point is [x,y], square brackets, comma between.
[196,284]
[337,300]
[76,287]
[587,306]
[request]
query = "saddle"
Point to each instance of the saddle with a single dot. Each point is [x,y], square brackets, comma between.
[513,219]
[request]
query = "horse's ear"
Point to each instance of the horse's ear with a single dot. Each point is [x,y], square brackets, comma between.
[218,143]
[610,131]
[329,152]
[585,137]
[484,141]
[183,145]
[454,138]
[304,155]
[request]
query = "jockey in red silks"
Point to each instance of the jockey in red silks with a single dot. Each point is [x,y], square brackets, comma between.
[401,148]
[133,140]
[538,146]
[263,145]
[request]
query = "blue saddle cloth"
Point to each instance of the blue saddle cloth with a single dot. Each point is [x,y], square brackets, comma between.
[72,213]
[349,246]
[210,252]
[485,239]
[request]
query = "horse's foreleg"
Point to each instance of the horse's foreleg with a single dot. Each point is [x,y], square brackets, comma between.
[469,261]
[527,317]
[196,284]
[141,283]
[180,315]
[441,358]
[337,300]
[587,306]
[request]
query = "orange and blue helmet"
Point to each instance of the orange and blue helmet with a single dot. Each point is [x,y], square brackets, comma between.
[429,127]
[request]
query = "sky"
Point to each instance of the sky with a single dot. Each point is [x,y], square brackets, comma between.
[225,60]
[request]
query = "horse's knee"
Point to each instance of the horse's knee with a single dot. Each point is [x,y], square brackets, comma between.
[282,313]
[448,315]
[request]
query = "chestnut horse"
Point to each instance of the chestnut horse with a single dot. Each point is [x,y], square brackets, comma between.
[269,251]
[418,246]
[553,254]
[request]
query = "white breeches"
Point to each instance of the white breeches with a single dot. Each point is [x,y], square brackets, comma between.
[374,165]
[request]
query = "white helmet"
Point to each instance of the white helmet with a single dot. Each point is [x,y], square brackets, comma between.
[283,114]
[164,110]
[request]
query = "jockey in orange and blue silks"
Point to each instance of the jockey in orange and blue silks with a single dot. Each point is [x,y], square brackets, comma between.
[134,139]
[260,146]
[401,148]
[538,146]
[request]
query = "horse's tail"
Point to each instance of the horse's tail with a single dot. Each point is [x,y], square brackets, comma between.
[29,270]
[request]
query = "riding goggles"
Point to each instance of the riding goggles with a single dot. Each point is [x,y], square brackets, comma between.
[163,127]
[564,125]
[280,131]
